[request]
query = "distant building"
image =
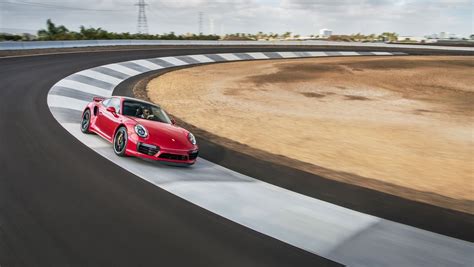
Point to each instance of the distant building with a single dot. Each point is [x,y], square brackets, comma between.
[415,39]
[443,36]
[325,33]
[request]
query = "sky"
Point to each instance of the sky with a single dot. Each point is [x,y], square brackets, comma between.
[406,17]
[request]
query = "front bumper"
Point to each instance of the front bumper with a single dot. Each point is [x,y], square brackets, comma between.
[139,148]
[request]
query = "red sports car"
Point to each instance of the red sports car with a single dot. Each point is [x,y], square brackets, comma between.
[141,129]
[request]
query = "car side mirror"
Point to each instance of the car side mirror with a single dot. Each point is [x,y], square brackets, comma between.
[97,99]
[173,121]
[111,110]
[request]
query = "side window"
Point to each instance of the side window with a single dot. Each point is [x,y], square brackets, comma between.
[115,102]
[106,102]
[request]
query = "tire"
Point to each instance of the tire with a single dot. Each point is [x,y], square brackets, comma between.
[86,121]
[120,141]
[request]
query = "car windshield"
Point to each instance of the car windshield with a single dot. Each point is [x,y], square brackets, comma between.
[144,111]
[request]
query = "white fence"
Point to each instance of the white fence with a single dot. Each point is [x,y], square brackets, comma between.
[88,43]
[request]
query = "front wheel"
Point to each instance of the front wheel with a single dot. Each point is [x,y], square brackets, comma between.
[120,141]
[86,121]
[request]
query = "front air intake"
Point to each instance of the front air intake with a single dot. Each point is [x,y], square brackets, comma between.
[147,149]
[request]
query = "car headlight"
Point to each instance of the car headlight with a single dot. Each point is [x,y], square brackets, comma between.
[191,138]
[141,130]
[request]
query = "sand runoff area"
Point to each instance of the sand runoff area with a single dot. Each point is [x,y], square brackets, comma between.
[395,124]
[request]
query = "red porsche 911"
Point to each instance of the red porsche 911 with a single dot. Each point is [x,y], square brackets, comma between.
[141,129]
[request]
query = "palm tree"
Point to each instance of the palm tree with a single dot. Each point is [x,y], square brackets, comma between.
[52,32]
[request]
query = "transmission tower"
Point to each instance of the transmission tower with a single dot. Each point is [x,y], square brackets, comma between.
[200,23]
[142,24]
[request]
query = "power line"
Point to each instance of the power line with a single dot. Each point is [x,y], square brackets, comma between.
[51,6]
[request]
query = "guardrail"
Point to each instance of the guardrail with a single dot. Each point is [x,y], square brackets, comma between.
[23,45]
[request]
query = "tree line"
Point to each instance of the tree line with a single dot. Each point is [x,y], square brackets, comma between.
[54,32]
[60,33]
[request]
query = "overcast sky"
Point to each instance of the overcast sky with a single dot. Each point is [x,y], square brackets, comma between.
[406,17]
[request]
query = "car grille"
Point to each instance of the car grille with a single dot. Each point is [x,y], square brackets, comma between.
[193,154]
[173,156]
[147,149]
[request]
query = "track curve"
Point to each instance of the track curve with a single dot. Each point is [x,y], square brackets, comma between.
[60,205]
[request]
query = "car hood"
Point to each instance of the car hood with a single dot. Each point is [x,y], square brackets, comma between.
[166,135]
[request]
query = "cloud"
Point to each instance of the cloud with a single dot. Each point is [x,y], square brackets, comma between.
[408,17]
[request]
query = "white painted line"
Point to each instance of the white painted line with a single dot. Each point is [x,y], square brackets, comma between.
[84,87]
[258,55]
[100,76]
[89,140]
[301,221]
[287,54]
[122,69]
[147,64]
[317,54]
[201,58]
[174,61]
[59,101]
[229,56]
[344,53]
[382,53]
[304,222]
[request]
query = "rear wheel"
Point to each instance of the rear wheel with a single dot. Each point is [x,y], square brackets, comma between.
[86,121]
[120,141]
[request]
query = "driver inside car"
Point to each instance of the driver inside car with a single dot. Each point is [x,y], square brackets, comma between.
[147,114]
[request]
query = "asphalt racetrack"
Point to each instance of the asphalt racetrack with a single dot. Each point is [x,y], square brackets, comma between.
[63,205]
